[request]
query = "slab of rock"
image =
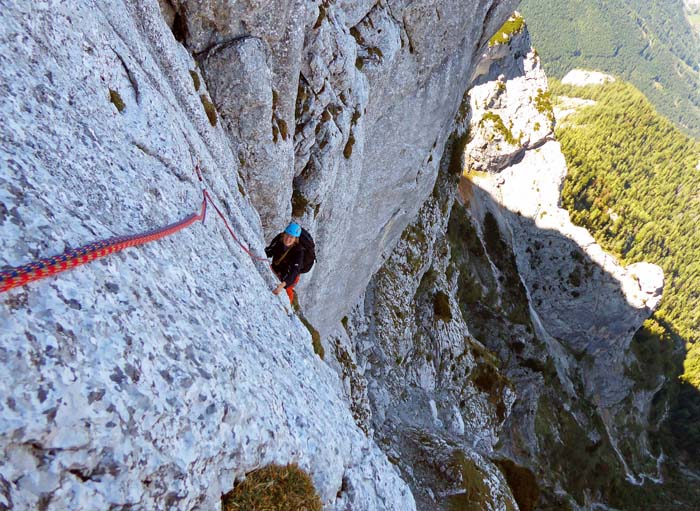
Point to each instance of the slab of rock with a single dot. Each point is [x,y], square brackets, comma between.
[152,378]
[582,77]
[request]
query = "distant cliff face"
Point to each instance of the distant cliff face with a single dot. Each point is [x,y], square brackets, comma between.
[582,301]
[491,351]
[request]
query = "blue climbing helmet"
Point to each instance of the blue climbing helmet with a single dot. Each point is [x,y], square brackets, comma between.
[293,229]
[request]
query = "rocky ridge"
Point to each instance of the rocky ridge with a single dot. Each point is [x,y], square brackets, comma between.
[494,342]
[579,295]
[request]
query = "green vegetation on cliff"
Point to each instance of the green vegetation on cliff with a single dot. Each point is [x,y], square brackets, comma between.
[649,43]
[273,488]
[512,26]
[634,182]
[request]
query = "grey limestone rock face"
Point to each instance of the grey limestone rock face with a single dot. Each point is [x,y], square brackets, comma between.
[366,91]
[252,54]
[434,397]
[153,378]
[490,351]
[581,298]
[143,380]
[409,84]
[509,98]
[240,81]
[591,307]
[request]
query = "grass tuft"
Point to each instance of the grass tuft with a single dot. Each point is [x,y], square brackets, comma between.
[441,307]
[543,104]
[195,80]
[347,152]
[315,336]
[273,488]
[500,127]
[513,26]
[522,483]
[299,203]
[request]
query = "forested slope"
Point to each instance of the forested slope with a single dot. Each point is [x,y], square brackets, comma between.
[634,182]
[649,43]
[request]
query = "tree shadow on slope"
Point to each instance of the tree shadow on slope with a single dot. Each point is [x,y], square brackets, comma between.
[563,438]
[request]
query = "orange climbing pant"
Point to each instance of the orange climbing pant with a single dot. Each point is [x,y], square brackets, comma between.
[290,290]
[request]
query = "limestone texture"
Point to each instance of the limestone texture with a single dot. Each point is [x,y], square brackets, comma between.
[581,294]
[153,378]
[583,306]
[363,95]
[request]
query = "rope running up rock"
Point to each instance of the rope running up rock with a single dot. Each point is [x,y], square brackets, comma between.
[20,275]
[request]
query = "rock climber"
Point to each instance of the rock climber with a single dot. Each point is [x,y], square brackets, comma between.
[287,258]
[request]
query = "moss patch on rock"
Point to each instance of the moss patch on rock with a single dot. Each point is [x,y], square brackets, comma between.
[489,380]
[543,104]
[476,496]
[284,130]
[116,100]
[500,127]
[299,203]
[514,25]
[522,483]
[209,109]
[347,151]
[315,337]
[322,14]
[441,307]
[195,80]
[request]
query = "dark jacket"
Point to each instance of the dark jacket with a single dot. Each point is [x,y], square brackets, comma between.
[286,267]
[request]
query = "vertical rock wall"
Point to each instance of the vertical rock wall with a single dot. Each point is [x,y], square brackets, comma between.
[581,296]
[152,379]
[359,97]
[493,345]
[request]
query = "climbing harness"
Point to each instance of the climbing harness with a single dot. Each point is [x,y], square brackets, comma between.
[20,275]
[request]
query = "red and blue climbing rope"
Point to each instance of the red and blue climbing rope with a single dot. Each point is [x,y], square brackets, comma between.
[245,249]
[20,275]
